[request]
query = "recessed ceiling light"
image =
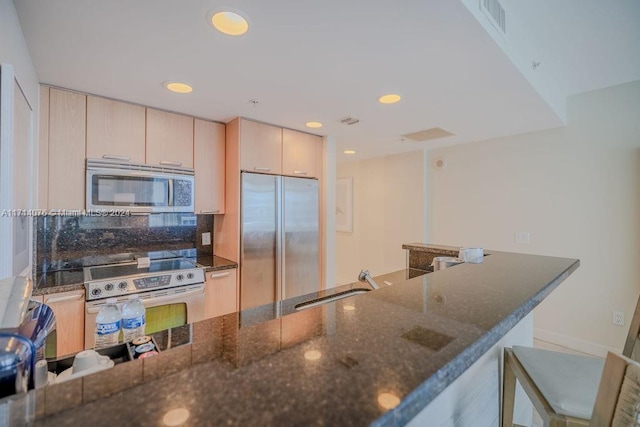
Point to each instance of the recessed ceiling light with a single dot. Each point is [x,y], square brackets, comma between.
[349,307]
[391,98]
[349,151]
[178,87]
[313,125]
[229,23]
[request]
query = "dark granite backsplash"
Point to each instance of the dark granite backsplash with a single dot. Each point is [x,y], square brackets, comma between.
[63,242]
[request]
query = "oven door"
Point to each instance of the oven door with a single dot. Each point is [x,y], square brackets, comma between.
[165,309]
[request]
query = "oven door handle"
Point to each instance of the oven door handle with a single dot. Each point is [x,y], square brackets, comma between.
[146,301]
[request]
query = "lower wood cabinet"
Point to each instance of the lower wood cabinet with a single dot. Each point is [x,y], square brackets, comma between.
[221,293]
[68,308]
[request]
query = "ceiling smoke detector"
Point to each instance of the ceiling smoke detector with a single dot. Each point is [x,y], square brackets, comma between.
[349,121]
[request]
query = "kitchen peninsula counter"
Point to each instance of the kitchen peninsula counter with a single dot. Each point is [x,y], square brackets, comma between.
[329,364]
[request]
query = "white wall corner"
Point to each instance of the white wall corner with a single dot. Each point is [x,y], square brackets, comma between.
[6,168]
[425,197]
[329,174]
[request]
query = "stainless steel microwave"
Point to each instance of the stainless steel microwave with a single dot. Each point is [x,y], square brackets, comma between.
[139,188]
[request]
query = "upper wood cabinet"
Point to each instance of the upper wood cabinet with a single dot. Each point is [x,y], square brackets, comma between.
[67,119]
[299,153]
[169,139]
[209,165]
[115,130]
[260,147]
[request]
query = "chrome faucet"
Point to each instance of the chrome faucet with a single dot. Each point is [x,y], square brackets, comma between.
[364,276]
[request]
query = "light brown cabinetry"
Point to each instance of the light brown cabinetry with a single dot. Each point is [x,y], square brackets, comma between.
[299,153]
[221,293]
[43,150]
[169,139]
[243,139]
[209,165]
[260,147]
[115,130]
[67,119]
[68,308]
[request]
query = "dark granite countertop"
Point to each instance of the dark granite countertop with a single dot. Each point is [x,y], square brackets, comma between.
[435,249]
[73,279]
[325,365]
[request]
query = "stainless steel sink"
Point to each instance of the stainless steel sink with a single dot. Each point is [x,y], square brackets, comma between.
[330,298]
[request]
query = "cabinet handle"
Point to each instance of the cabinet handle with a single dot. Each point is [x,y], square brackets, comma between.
[262,169]
[114,157]
[299,172]
[220,275]
[210,212]
[64,298]
[170,163]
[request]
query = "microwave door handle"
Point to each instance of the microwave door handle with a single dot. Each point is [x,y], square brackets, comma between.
[170,191]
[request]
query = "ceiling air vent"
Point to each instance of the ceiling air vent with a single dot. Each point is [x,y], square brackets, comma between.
[495,12]
[349,121]
[425,135]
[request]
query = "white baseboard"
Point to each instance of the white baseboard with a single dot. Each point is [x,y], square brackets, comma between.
[574,343]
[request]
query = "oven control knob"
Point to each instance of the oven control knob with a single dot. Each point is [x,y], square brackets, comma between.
[96,292]
[189,275]
[180,277]
[122,285]
[108,287]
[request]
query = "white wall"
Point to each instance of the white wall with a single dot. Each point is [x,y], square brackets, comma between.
[14,51]
[576,190]
[387,212]
[17,135]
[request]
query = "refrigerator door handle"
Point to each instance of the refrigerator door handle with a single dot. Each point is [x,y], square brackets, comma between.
[280,257]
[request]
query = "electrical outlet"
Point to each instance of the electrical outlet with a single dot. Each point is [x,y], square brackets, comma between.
[206,239]
[618,318]
[522,237]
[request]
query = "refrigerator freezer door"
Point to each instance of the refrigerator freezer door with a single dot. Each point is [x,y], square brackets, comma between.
[300,237]
[258,246]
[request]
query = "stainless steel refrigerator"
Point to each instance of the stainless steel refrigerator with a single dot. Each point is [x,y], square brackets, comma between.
[279,243]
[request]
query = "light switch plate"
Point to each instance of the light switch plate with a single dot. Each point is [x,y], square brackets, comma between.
[206,239]
[522,237]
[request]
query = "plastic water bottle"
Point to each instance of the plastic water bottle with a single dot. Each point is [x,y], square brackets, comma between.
[108,324]
[133,318]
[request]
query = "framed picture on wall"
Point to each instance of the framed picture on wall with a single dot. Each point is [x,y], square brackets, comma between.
[344,205]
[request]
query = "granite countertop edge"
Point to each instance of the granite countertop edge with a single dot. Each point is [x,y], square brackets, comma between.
[426,392]
[434,249]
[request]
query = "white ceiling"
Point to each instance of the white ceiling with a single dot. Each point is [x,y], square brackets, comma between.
[324,60]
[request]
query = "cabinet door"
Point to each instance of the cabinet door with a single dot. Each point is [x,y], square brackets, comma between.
[43,150]
[67,120]
[221,293]
[260,147]
[115,130]
[299,153]
[209,165]
[68,308]
[169,139]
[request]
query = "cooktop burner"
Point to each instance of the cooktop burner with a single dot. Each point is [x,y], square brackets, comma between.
[114,280]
